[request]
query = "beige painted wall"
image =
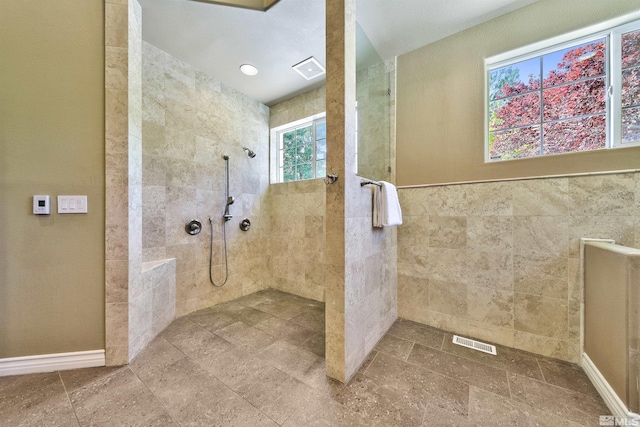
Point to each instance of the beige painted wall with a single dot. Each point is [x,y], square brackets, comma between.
[440,103]
[51,142]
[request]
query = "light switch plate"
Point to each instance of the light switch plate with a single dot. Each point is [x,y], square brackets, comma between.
[72,204]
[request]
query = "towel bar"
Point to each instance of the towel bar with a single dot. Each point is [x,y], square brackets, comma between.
[363,183]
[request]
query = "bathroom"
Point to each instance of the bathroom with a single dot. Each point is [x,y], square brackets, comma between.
[442,260]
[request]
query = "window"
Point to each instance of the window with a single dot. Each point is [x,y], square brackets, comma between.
[301,149]
[582,94]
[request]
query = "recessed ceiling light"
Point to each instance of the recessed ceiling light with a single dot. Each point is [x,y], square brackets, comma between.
[310,68]
[249,69]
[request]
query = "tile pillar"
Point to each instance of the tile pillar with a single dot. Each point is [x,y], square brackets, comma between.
[340,100]
[123,160]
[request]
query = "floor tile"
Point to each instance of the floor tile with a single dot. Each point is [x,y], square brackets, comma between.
[421,334]
[368,403]
[35,399]
[508,359]
[464,370]
[119,399]
[419,385]
[179,326]
[245,314]
[567,376]
[365,364]
[315,344]
[276,394]
[313,319]
[235,411]
[186,390]
[332,414]
[563,403]
[490,409]
[232,367]
[77,378]
[284,309]
[211,319]
[281,328]
[200,343]
[438,417]
[258,361]
[394,346]
[301,364]
[158,354]
[245,337]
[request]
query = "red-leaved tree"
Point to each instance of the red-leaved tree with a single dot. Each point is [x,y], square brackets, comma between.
[573,103]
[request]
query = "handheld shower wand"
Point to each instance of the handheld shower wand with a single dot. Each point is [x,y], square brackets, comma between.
[227,216]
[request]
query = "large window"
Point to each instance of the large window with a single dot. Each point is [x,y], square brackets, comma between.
[301,149]
[580,95]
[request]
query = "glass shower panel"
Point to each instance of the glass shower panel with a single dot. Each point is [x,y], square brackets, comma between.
[373,111]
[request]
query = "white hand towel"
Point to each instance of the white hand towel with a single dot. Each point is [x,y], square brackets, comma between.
[386,206]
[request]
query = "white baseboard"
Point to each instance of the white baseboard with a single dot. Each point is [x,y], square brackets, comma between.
[51,362]
[616,406]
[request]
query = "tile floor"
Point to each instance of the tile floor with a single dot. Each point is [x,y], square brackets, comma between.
[258,361]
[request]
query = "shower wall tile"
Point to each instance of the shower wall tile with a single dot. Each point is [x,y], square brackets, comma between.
[541,197]
[543,277]
[489,199]
[447,232]
[447,297]
[190,121]
[493,233]
[540,237]
[116,66]
[519,260]
[611,195]
[618,228]
[490,306]
[116,281]
[541,315]
[116,25]
[491,269]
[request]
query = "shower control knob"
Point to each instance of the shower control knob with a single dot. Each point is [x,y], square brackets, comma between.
[245,224]
[193,227]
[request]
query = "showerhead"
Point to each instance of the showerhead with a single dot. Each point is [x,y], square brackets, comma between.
[250,153]
[230,200]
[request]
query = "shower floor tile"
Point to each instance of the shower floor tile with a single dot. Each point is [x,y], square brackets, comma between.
[259,361]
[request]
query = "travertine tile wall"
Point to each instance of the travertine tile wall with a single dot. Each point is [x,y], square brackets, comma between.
[139,301]
[190,121]
[499,261]
[298,214]
[359,307]
[299,107]
[152,305]
[122,138]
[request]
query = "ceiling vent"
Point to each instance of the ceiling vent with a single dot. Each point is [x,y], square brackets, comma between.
[310,68]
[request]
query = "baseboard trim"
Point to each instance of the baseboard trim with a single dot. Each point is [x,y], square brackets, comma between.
[51,362]
[616,406]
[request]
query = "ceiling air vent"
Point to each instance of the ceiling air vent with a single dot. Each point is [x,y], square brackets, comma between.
[310,68]
[475,345]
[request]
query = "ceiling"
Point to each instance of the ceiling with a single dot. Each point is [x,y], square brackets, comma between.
[217,39]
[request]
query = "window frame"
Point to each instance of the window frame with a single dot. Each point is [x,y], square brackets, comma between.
[276,137]
[612,32]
